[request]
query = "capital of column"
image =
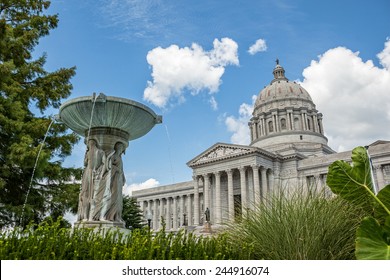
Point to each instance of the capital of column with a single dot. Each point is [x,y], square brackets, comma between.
[378,167]
[255,166]
[242,169]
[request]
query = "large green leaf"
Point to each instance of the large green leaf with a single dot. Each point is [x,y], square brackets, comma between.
[382,211]
[373,240]
[353,182]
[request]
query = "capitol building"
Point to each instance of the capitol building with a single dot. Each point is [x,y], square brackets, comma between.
[288,149]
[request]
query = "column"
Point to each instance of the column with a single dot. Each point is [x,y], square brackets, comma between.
[379,176]
[189,207]
[148,210]
[141,206]
[288,120]
[271,180]
[244,195]
[277,122]
[218,209]
[273,122]
[230,194]
[206,191]
[292,121]
[168,220]
[155,215]
[196,201]
[256,184]
[161,212]
[174,213]
[303,121]
[181,213]
[315,123]
[264,184]
[262,126]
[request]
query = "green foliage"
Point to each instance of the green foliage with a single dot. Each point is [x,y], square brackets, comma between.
[132,214]
[299,226]
[372,242]
[353,183]
[25,87]
[51,241]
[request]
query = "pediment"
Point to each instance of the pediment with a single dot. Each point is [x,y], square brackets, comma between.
[220,151]
[379,142]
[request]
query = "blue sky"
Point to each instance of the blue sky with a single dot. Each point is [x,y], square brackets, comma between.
[197,64]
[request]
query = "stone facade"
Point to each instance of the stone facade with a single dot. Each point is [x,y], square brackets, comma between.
[288,149]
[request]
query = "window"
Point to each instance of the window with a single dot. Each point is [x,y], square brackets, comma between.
[270,126]
[297,124]
[283,124]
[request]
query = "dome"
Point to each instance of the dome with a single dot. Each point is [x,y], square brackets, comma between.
[281,88]
[284,114]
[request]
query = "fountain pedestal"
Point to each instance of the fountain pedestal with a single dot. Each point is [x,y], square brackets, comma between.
[108,124]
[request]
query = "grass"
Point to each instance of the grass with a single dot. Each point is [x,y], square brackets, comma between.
[300,226]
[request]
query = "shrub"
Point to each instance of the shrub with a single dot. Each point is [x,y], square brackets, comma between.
[50,241]
[300,226]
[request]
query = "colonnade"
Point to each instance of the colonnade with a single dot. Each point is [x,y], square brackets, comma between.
[174,211]
[218,191]
[290,120]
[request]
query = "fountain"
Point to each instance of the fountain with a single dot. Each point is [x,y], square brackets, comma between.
[108,124]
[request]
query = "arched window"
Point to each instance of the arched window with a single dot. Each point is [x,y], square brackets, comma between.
[270,126]
[283,124]
[297,124]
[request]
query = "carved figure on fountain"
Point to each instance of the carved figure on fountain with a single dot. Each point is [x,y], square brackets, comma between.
[109,200]
[94,162]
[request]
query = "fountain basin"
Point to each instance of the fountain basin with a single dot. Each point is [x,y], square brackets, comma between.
[128,117]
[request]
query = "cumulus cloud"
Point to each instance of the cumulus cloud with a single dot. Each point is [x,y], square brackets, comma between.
[177,70]
[384,56]
[150,183]
[259,46]
[352,94]
[239,125]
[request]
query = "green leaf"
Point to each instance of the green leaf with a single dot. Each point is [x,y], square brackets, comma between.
[373,240]
[353,182]
[382,211]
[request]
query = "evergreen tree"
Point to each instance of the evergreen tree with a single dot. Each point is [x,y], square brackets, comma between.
[25,86]
[132,214]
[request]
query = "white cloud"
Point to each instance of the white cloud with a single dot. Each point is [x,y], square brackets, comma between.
[259,46]
[384,56]
[352,94]
[150,183]
[239,125]
[175,70]
[213,103]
